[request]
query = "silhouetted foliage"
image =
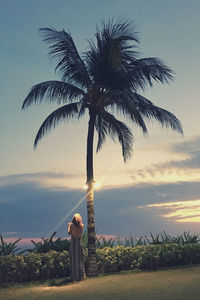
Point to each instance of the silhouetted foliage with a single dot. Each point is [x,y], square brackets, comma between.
[48,244]
[8,248]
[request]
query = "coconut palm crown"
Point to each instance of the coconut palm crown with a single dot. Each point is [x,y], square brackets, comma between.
[103,81]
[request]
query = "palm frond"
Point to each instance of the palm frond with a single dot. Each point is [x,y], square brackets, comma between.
[83,106]
[64,52]
[145,69]
[102,129]
[122,30]
[123,103]
[152,112]
[112,52]
[52,91]
[114,127]
[61,114]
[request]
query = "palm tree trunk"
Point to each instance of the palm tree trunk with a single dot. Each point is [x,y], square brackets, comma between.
[92,262]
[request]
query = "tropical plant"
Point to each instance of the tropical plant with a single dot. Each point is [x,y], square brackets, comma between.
[48,244]
[189,238]
[104,80]
[102,242]
[164,238]
[168,239]
[131,241]
[8,248]
[155,239]
[120,241]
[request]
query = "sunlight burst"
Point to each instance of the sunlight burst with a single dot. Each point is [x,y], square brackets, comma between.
[97,186]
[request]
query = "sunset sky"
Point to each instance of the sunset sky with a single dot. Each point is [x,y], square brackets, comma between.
[159,187]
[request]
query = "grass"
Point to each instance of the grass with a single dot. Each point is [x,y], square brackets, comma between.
[174,283]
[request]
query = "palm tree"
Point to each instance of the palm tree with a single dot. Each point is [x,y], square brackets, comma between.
[103,81]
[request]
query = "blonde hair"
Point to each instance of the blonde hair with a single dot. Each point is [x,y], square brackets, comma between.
[77,220]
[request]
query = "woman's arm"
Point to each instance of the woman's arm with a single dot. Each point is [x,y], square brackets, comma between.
[69,228]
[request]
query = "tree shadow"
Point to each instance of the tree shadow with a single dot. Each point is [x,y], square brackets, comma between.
[60,282]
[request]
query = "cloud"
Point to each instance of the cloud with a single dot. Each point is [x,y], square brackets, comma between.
[29,209]
[9,233]
[186,168]
[126,210]
[50,179]
[180,211]
[191,148]
[182,170]
[186,172]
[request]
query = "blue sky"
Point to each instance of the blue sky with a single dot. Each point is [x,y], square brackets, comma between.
[39,188]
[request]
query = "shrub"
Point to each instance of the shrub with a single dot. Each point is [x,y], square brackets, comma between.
[34,266]
[37,266]
[146,257]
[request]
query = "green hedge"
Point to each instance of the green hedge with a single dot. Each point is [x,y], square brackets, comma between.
[35,266]
[146,257]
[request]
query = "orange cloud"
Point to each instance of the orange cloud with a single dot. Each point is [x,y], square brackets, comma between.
[180,211]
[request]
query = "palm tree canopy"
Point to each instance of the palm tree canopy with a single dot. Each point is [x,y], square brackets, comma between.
[102,80]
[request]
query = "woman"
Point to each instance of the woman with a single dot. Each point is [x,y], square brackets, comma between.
[75,229]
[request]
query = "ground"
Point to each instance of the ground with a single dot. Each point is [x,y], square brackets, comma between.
[174,284]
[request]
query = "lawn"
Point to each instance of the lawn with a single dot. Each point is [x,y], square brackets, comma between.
[175,283]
